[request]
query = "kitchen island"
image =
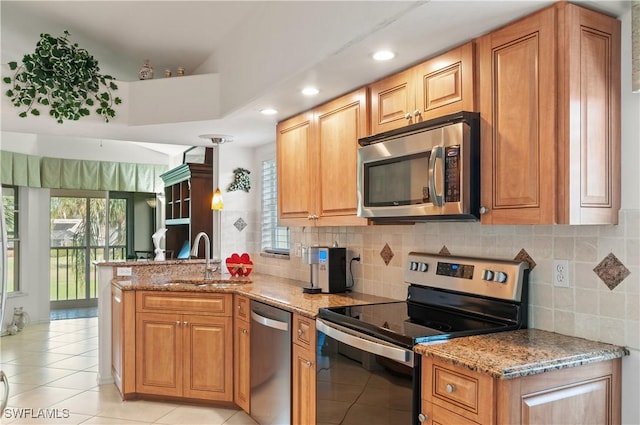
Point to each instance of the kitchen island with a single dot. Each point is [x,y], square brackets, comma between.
[161,275]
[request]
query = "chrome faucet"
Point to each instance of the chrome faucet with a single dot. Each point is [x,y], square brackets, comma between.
[208,272]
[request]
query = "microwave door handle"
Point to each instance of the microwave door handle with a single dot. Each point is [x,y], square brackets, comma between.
[436,152]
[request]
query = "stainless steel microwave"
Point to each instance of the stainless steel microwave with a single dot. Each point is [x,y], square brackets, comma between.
[425,171]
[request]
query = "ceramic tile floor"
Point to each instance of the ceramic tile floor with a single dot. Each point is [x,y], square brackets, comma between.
[52,370]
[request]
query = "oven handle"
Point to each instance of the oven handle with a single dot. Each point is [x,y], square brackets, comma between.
[365,343]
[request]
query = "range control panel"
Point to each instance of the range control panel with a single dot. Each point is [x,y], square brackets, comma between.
[479,276]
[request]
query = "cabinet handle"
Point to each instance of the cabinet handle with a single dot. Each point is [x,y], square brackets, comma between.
[484,210]
[407,116]
[178,322]
[422,417]
[244,331]
[299,332]
[450,388]
[416,113]
[308,364]
[185,323]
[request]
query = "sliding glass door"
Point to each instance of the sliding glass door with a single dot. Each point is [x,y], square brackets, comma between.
[85,227]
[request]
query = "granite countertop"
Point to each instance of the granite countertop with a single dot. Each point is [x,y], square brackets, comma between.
[514,354]
[279,292]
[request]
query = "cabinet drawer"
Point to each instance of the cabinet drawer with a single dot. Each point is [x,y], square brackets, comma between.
[304,331]
[458,389]
[190,303]
[436,415]
[241,307]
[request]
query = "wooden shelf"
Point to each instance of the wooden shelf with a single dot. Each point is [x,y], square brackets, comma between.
[188,190]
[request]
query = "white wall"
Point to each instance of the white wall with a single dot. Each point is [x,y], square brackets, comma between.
[80,148]
[239,204]
[34,250]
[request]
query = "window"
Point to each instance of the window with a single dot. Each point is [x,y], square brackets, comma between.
[11,209]
[275,239]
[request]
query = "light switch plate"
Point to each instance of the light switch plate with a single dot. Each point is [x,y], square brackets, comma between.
[123,271]
[561,273]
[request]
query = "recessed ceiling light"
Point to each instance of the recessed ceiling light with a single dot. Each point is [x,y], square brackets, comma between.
[383,55]
[310,91]
[268,111]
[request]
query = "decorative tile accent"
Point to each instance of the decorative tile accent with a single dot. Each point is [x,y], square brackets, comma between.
[444,250]
[240,224]
[386,254]
[611,271]
[524,256]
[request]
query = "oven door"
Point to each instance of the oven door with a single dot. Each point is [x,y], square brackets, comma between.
[361,379]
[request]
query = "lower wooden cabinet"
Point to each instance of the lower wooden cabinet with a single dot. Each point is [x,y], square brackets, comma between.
[303,388]
[587,394]
[242,353]
[180,354]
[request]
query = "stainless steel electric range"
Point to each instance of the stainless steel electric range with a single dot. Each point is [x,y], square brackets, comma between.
[366,370]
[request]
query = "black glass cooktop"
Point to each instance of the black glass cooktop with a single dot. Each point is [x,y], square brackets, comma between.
[404,323]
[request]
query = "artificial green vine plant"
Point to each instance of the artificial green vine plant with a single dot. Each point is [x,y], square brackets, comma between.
[63,77]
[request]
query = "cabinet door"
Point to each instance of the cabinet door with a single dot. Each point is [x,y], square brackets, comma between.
[295,170]
[393,102]
[159,351]
[445,84]
[208,362]
[588,394]
[304,386]
[518,109]
[589,117]
[123,328]
[241,365]
[338,126]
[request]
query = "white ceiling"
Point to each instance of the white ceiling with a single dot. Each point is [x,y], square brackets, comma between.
[263,51]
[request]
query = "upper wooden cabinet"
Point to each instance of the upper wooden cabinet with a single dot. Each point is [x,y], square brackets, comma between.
[550,111]
[317,163]
[440,86]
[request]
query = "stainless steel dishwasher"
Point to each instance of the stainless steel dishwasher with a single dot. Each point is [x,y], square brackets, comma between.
[270,364]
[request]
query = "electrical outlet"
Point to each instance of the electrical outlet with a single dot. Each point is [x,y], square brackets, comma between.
[561,273]
[298,251]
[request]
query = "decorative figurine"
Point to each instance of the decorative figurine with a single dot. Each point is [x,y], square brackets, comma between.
[146,72]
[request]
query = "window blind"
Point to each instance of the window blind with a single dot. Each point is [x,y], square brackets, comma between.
[275,239]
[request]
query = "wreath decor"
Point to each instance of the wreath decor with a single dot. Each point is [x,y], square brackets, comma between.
[63,77]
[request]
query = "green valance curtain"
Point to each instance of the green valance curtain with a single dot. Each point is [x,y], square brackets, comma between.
[56,173]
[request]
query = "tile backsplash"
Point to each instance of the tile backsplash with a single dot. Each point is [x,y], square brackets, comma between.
[587,308]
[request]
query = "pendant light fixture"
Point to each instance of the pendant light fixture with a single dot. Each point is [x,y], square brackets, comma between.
[216,196]
[216,200]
